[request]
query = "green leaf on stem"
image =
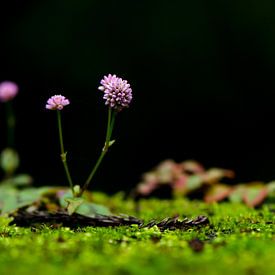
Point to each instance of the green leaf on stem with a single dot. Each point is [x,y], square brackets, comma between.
[9,160]
[73,204]
[90,209]
[111,142]
[85,208]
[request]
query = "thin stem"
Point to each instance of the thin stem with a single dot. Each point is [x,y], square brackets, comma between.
[63,153]
[85,186]
[108,123]
[110,126]
[10,124]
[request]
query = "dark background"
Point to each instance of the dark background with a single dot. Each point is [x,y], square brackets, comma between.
[202,74]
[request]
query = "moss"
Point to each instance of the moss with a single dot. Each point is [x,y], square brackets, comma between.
[239,240]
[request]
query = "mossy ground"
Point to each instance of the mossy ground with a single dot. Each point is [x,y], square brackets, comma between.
[239,240]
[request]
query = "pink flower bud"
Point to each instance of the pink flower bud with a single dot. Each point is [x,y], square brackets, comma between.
[8,90]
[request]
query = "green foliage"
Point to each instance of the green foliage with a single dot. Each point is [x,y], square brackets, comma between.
[73,204]
[239,240]
[81,205]
[11,199]
[47,198]
[89,209]
[18,180]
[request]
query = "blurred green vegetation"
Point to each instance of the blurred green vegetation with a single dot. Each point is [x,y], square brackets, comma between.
[238,239]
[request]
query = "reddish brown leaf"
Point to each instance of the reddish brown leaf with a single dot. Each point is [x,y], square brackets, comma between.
[217,192]
[254,196]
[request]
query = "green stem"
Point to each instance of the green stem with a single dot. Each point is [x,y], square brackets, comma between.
[63,153]
[86,185]
[108,123]
[10,124]
[110,127]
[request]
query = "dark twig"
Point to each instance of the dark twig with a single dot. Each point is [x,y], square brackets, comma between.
[25,219]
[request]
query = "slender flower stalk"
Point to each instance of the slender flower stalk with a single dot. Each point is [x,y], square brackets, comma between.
[117,95]
[107,144]
[8,90]
[63,153]
[58,102]
[11,121]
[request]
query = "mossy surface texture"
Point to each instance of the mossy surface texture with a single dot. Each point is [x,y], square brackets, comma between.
[239,240]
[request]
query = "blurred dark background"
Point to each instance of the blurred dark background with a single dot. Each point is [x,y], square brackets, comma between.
[202,74]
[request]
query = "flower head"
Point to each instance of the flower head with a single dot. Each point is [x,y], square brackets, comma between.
[8,90]
[117,92]
[57,102]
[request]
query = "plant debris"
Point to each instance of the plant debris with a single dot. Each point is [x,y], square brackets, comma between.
[174,223]
[25,219]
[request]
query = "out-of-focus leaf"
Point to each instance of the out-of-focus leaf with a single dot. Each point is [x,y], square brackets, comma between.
[271,187]
[192,166]
[63,195]
[22,179]
[73,204]
[9,160]
[165,172]
[149,184]
[180,185]
[91,209]
[146,188]
[237,194]
[188,176]
[85,208]
[254,195]
[217,192]
[214,175]
[12,199]
[193,182]
[28,196]
[18,180]
[183,177]
[8,200]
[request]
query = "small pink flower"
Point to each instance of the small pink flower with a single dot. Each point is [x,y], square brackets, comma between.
[8,90]
[57,102]
[116,92]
